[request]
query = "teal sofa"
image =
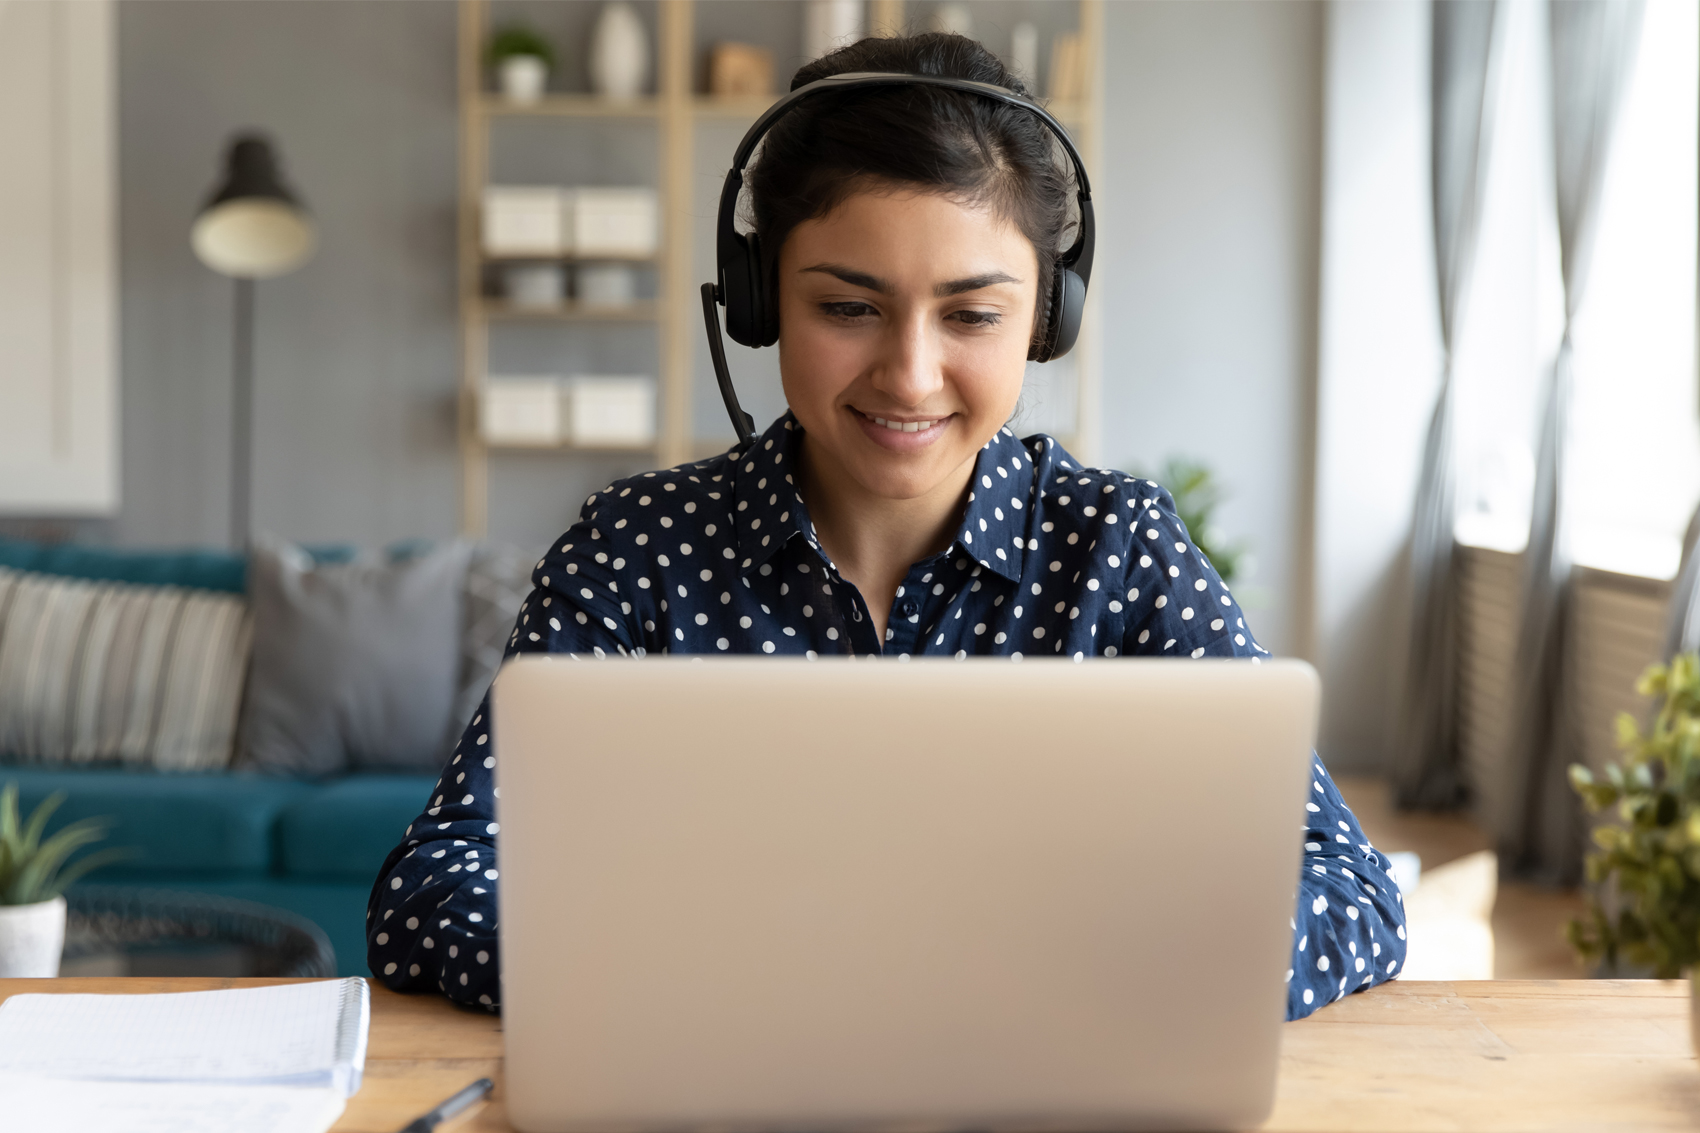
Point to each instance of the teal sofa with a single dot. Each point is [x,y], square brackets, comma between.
[310,846]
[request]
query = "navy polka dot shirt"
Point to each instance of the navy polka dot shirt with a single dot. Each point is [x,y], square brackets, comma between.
[720,557]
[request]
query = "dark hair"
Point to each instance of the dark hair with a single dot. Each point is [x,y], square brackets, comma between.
[971,148]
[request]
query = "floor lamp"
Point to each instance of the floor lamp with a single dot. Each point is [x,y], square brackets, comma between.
[252,227]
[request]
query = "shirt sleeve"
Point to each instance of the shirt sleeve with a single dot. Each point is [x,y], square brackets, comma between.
[431,918]
[1349,928]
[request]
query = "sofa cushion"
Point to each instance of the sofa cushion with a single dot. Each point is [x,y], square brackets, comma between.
[354,665]
[210,825]
[343,830]
[100,672]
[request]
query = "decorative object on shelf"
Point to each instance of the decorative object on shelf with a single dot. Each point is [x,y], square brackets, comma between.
[1650,864]
[1068,68]
[1024,53]
[548,220]
[952,19]
[619,222]
[740,69]
[521,411]
[524,220]
[33,878]
[535,286]
[522,59]
[605,286]
[609,412]
[252,227]
[619,52]
[829,25]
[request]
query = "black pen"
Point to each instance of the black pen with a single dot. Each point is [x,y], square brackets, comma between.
[451,1107]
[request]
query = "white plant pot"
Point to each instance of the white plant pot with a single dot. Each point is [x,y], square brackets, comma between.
[31,939]
[619,52]
[522,78]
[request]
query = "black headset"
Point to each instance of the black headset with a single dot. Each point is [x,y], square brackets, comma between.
[752,313]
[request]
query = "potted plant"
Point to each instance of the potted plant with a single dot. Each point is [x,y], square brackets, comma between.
[521,59]
[33,878]
[1646,906]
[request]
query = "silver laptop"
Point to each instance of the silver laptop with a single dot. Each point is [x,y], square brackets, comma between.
[756,894]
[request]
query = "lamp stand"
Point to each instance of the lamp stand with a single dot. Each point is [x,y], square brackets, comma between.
[242,416]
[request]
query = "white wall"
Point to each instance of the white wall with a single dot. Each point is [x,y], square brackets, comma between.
[1379,364]
[1207,268]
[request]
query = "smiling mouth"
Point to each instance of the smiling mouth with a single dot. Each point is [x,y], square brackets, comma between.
[903,426]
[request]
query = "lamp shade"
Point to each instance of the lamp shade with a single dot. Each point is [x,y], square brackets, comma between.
[253,226]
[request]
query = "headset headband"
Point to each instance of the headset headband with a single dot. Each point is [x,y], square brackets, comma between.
[1078,257]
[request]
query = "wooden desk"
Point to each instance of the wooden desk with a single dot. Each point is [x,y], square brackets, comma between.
[1507,1055]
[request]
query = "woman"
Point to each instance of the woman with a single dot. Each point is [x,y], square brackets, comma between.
[912,232]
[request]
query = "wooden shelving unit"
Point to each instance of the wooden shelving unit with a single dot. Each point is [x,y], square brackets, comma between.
[676,311]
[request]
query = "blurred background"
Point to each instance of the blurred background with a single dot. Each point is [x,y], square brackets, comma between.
[1399,296]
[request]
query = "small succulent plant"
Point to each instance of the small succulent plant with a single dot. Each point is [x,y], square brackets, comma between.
[1649,862]
[517,39]
[33,869]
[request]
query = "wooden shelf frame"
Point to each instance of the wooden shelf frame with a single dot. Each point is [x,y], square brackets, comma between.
[676,312]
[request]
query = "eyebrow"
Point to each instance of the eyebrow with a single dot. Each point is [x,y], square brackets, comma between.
[943,290]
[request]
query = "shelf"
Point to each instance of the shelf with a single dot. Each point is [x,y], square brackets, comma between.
[517,258]
[569,447]
[731,106]
[570,106]
[499,310]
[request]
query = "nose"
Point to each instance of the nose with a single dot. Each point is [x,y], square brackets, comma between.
[910,368]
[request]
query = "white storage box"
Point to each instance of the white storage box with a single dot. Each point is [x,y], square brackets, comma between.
[521,411]
[609,411]
[525,220]
[619,223]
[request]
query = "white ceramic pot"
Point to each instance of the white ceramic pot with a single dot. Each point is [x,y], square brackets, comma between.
[606,285]
[522,78]
[535,285]
[619,52]
[31,939]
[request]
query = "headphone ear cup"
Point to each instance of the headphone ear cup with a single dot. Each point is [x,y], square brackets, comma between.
[738,291]
[764,305]
[1062,327]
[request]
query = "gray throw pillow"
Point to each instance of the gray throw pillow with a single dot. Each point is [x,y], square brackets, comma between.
[354,665]
[498,580]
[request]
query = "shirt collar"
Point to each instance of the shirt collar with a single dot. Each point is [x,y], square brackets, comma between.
[769,511]
[993,527]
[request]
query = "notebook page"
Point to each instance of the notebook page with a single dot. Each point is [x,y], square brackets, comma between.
[164,1107]
[285,1034]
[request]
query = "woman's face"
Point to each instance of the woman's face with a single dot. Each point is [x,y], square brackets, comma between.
[904,323]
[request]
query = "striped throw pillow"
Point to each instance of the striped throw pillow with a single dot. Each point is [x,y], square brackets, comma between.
[98,672]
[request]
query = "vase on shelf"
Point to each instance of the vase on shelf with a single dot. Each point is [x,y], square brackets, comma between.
[522,78]
[619,53]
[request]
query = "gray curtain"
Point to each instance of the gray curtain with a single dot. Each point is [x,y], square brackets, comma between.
[1425,769]
[1592,44]
[1682,621]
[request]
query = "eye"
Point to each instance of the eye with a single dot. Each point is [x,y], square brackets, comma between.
[847,310]
[977,318]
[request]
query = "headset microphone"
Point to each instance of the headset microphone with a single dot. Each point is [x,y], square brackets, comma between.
[752,314]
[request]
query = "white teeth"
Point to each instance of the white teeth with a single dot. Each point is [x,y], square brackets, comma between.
[904,426]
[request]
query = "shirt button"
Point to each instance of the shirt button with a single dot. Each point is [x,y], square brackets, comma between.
[909,609]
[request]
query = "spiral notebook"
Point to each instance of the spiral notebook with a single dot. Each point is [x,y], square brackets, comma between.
[299,1049]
